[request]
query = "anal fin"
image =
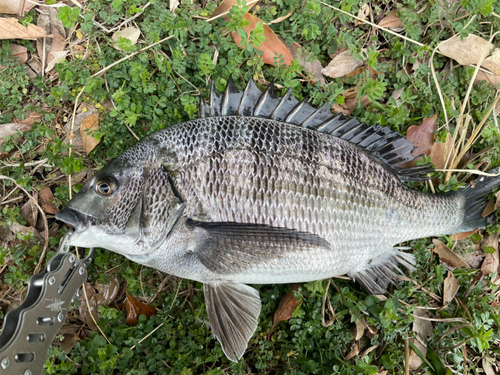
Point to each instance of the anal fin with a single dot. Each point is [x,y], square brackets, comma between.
[377,277]
[233,310]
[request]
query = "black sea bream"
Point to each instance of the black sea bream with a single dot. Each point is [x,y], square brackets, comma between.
[264,190]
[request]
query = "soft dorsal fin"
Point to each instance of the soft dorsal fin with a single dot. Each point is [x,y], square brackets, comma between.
[390,147]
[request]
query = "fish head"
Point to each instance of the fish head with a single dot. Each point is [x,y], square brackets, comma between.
[128,207]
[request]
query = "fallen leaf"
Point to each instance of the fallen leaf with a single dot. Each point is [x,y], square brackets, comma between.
[55,58]
[7,130]
[286,307]
[45,200]
[489,209]
[492,63]
[10,28]
[29,211]
[422,327]
[281,19]
[108,290]
[19,52]
[391,21]
[488,366]
[225,6]
[450,288]
[462,235]
[415,361]
[271,46]
[439,150]
[131,33]
[360,328]
[493,79]
[136,308]
[87,311]
[10,6]
[25,231]
[363,13]
[447,256]
[353,353]
[382,372]
[467,51]
[497,202]
[341,65]
[491,260]
[314,68]
[422,136]
[350,102]
[173,4]
[91,123]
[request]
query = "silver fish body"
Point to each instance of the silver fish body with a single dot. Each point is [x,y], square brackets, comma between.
[265,190]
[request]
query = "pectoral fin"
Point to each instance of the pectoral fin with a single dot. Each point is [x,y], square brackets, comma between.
[233,310]
[226,248]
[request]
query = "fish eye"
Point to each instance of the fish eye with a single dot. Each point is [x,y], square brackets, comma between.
[105,187]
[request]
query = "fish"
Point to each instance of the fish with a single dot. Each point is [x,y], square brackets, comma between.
[263,189]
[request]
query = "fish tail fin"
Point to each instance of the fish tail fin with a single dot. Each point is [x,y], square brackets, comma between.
[475,201]
[381,273]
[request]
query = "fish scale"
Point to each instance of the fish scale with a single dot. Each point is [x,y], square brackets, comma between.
[262,189]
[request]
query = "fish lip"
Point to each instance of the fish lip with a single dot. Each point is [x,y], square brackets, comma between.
[76,219]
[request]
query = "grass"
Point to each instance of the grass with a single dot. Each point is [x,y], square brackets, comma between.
[157,83]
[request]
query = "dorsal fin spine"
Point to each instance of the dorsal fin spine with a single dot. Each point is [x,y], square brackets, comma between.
[281,103]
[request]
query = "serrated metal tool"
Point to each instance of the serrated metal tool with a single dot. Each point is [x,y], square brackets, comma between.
[28,331]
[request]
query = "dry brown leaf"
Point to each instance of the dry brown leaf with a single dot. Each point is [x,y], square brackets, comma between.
[382,372]
[55,58]
[286,307]
[131,33]
[422,327]
[350,102]
[488,366]
[11,6]
[439,151]
[354,352]
[25,231]
[173,4]
[497,200]
[447,256]
[29,210]
[462,235]
[489,209]
[226,5]
[91,309]
[422,135]
[270,46]
[467,51]
[109,290]
[136,308]
[493,79]
[281,19]
[415,361]
[492,63]
[314,68]
[342,64]
[363,13]
[45,200]
[19,52]
[450,288]
[91,123]
[10,28]
[391,21]
[491,261]
[360,328]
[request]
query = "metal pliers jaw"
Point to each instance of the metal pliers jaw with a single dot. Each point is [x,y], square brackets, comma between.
[28,330]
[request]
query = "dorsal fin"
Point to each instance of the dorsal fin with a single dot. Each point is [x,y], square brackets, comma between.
[390,147]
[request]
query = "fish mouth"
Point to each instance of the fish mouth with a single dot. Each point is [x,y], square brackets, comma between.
[76,219]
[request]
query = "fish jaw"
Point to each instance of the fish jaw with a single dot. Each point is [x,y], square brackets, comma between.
[88,234]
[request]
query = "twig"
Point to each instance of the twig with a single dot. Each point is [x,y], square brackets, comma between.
[44,218]
[71,137]
[374,25]
[131,55]
[407,357]
[130,19]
